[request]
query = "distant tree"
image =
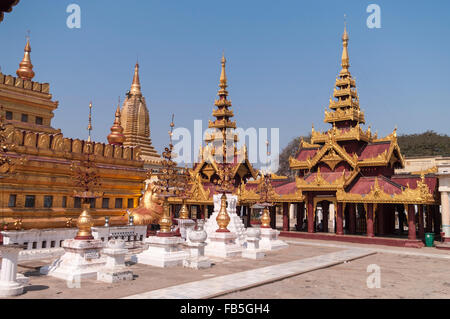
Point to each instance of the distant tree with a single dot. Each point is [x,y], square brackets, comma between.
[428,143]
[290,150]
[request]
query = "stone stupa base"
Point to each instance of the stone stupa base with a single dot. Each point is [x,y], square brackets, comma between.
[270,241]
[162,252]
[223,244]
[81,260]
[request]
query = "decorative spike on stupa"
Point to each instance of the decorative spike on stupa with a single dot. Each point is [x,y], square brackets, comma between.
[136,85]
[25,70]
[116,137]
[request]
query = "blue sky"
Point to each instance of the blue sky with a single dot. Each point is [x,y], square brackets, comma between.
[283,57]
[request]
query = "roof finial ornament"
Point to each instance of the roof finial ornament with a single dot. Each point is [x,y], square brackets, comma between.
[25,70]
[223,77]
[90,122]
[172,124]
[116,137]
[136,85]
[345,58]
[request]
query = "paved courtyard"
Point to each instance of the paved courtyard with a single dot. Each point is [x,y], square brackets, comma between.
[311,269]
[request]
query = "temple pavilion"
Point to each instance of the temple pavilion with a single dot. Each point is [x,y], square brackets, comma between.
[221,147]
[352,170]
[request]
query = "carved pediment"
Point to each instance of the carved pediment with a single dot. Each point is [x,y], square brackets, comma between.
[332,159]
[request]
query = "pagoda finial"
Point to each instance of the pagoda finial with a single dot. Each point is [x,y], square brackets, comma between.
[223,77]
[136,85]
[345,58]
[90,121]
[25,70]
[116,137]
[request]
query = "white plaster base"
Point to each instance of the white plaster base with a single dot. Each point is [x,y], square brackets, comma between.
[270,241]
[235,226]
[10,288]
[81,260]
[162,252]
[115,269]
[197,258]
[253,254]
[223,245]
[197,262]
[114,275]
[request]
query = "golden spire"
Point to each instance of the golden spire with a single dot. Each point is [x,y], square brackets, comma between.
[116,137]
[136,85]
[223,78]
[90,121]
[345,60]
[25,70]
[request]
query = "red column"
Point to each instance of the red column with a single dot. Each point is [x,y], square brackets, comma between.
[285,216]
[325,212]
[369,220]
[339,221]
[429,217]
[310,214]
[411,223]
[420,223]
[352,213]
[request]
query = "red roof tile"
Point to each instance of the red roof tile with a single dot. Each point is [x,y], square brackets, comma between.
[364,185]
[306,153]
[373,150]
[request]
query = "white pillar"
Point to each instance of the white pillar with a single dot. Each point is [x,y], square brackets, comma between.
[8,274]
[445,211]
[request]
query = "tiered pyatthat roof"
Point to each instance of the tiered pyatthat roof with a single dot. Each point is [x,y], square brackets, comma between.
[345,111]
[136,122]
[221,143]
[223,138]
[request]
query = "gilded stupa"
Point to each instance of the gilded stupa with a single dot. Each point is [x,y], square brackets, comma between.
[135,122]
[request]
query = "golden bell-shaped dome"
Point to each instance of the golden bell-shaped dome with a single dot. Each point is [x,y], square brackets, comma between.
[116,137]
[25,70]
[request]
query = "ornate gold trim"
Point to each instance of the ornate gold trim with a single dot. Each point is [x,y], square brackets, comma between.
[420,195]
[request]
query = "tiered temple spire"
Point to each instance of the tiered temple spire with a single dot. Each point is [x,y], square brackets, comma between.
[25,70]
[224,137]
[345,107]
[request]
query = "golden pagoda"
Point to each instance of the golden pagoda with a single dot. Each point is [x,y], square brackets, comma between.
[40,192]
[135,122]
